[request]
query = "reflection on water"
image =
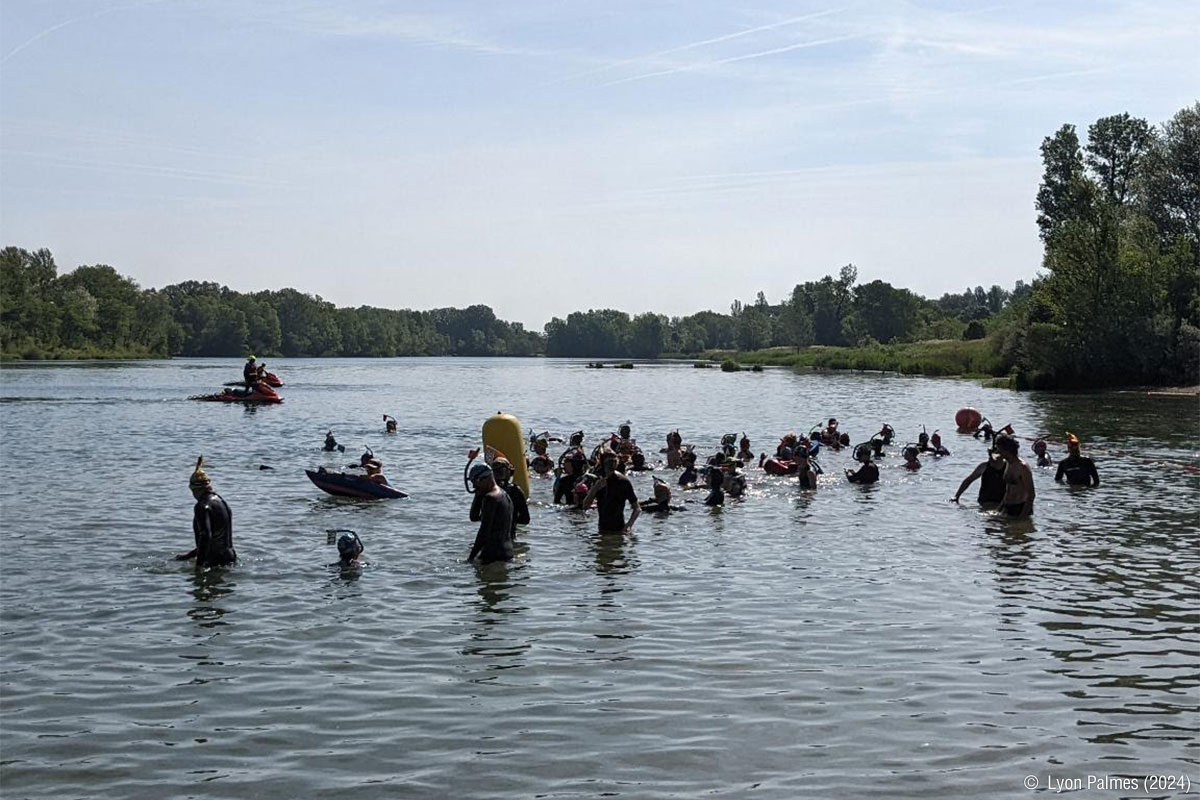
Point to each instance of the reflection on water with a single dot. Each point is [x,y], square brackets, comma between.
[209,586]
[850,642]
[614,555]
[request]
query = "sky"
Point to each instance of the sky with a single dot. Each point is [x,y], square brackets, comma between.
[550,156]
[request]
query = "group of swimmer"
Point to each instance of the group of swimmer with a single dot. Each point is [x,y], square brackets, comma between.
[583,478]
[368,462]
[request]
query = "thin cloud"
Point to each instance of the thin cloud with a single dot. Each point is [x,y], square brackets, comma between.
[147,170]
[702,43]
[426,30]
[733,59]
[72,21]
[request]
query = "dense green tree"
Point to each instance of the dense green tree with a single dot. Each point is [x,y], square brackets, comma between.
[1116,149]
[29,315]
[753,328]
[647,335]
[884,312]
[1058,198]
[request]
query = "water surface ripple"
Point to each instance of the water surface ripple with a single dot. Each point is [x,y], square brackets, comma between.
[855,642]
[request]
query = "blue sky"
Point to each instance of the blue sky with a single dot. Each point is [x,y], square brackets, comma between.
[545,157]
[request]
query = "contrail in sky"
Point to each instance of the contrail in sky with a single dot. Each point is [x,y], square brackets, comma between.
[72,21]
[730,60]
[692,45]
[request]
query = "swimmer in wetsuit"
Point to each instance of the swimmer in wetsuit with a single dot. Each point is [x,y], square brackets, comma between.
[990,475]
[1043,456]
[911,461]
[350,549]
[493,541]
[389,423]
[689,475]
[572,466]
[868,472]
[804,472]
[1018,480]
[660,503]
[330,442]
[502,472]
[734,482]
[745,454]
[716,483]
[674,450]
[212,524]
[611,493]
[1076,468]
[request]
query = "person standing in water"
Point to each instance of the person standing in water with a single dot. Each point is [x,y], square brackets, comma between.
[990,475]
[502,473]
[868,472]
[804,471]
[494,514]
[1077,469]
[212,524]
[611,492]
[1018,480]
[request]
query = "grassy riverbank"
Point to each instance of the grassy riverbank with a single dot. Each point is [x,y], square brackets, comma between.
[941,357]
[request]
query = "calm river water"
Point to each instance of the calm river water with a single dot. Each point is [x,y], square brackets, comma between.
[856,642]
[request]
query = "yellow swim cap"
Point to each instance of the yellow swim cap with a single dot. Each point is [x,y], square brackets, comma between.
[199,479]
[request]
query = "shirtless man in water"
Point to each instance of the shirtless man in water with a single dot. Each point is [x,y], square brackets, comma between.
[1018,480]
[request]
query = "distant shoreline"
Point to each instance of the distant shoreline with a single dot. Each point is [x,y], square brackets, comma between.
[965,360]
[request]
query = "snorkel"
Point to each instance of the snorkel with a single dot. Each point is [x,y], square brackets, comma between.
[472,454]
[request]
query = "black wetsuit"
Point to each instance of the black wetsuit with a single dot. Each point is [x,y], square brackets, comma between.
[611,500]
[520,515]
[250,373]
[808,479]
[493,542]
[716,482]
[867,473]
[991,485]
[212,524]
[564,487]
[1078,470]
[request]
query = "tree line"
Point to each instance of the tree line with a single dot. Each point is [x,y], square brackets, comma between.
[1118,301]
[832,311]
[94,311]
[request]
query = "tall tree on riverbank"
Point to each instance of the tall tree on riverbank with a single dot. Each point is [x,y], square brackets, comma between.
[1119,302]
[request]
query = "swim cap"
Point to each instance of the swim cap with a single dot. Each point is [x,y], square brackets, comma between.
[1072,439]
[500,462]
[480,471]
[199,479]
[349,545]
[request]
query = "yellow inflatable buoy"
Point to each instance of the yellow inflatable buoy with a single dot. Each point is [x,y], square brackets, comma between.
[502,433]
